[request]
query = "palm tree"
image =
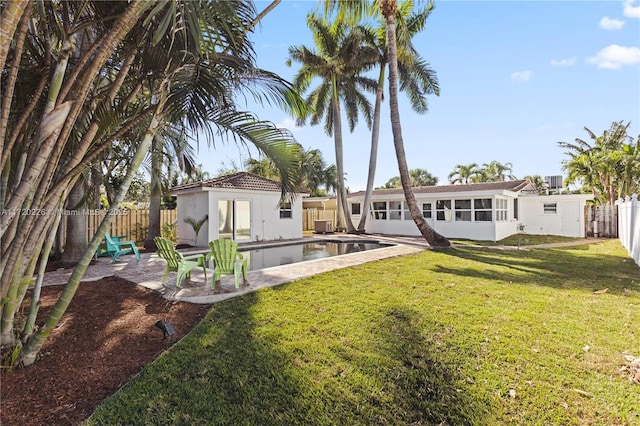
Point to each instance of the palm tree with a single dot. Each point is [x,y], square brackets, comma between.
[262,167]
[496,172]
[171,147]
[339,63]
[196,225]
[538,183]
[50,125]
[463,173]
[419,177]
[312,171]
[493,171]
[199,82]
[388,9]
[126,104]
[416,78]
[608,167]
[629,181]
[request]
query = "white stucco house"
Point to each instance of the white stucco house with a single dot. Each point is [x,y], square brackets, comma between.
[480,211]
[241,206]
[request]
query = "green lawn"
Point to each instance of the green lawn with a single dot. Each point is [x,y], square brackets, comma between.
[461,336]
[519,240]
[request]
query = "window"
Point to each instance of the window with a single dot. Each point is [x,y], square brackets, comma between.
[463,210]
[407,213]
[355,208]
[482,210]
[395,210]
[550,208]
[515,208]
[285,211]
[426,210]
[501,210]
[380,210]
[443,210]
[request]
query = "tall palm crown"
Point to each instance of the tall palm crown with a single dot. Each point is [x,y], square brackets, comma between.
[463,173]
[388,8]
[339,62]
[417,80]
[494,171]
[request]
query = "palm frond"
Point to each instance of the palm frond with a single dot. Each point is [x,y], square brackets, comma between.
[276,144]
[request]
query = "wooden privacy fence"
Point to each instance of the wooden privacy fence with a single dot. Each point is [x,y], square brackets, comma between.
[601,221]
[132,223]
[309,216]
[629,225]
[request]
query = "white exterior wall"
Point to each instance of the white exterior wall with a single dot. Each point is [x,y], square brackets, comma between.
[473,230]
[266,223]
[504,229]
[568,221]
[480,231]
[193,205]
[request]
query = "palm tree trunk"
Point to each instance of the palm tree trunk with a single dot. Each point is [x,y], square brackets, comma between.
[373,156]
[11,14]
[54,129]
[337,136]
[155,197]
[35,298]
[76,239]
[13,75]
[34,344]
[57,124]
[432,237]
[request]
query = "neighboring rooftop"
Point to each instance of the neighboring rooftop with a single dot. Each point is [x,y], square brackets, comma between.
[242,180]
[510,185]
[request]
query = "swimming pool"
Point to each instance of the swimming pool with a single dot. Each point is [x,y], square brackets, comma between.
[267,257]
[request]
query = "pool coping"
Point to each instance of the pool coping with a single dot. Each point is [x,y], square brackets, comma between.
[277,275]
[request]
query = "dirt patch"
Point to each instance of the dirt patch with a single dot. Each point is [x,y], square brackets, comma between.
[107,335]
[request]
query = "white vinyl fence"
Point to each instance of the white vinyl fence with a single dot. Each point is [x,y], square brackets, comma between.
[629,225]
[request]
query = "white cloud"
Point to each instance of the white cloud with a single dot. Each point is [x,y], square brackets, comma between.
[521,75]
[631,11]
[614,57]
[288,123]
[607,23]
[564,62]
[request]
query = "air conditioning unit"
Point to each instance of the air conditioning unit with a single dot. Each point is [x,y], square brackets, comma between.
[553,182]
[322,226]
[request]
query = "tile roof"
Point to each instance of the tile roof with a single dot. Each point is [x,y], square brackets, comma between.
[510,185]
[241,180]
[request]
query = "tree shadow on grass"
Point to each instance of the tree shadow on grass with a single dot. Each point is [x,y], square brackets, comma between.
[425,375]
[565,267]
[219,374]
[226,372]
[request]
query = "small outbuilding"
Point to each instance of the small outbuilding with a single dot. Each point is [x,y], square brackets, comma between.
[480,211]
[240,206]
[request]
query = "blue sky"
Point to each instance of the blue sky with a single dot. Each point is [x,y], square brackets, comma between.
[515,78]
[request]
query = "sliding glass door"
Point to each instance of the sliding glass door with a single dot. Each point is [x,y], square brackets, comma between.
[234,219]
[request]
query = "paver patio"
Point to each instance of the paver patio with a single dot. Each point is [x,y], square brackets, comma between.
[149,270]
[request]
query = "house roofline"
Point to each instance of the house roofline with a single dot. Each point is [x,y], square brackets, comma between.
[489,188]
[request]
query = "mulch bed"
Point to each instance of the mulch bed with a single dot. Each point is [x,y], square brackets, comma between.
[107,335]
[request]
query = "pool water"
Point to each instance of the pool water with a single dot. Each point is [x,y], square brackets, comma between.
[260,258]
